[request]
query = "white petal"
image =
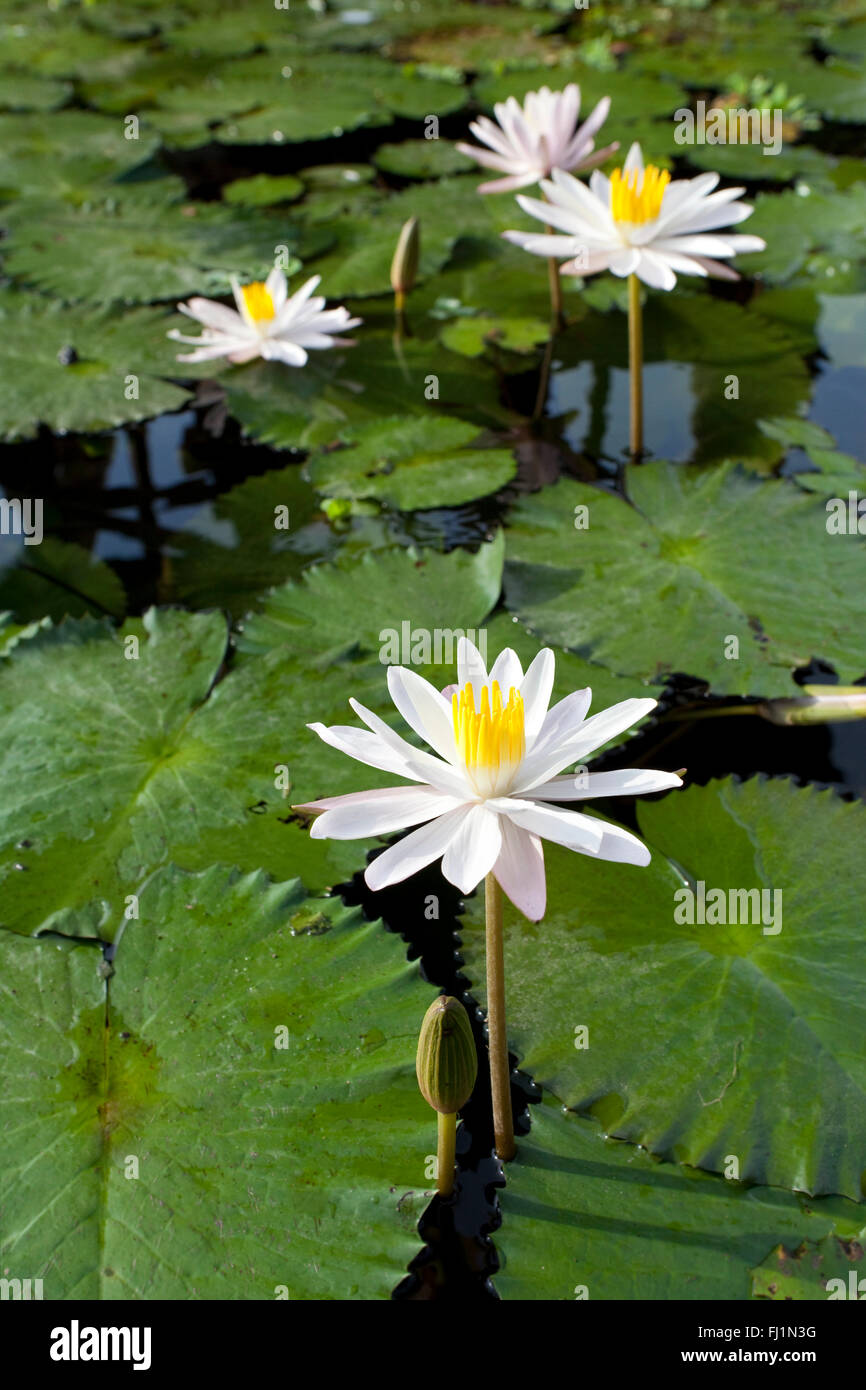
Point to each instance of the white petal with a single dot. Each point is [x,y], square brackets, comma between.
[424,767]
[508,185]
[377,812]
[654,271]
[621,847]
[471,667]
[634,159]
[519,870]
[629,781]
[214,315]
[605,725]
[695,245]
[624,262]
[564,720]
[474,849]
[366,747]
[276,288]
[276,350]
[565,219]
[569,828]
[416,851]
[507,670]
[552,753]
[535,689]
[540,244]
[424,710]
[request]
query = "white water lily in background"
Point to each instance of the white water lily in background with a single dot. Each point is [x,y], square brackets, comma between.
[482,796]
[267,323]
[527,142]
[639,222]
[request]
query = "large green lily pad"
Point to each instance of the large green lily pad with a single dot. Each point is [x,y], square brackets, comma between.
[179,1131]
[142,252]
[663,581]
[706,1042]
[413,463]
[119,375]
[588,1218]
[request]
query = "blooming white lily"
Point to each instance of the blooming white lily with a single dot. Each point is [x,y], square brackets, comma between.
[638,222]
[530,141]
[483,802]
[267,323]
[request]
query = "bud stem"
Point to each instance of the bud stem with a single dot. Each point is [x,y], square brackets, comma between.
[635,366]
[500,1081]
[445,1154]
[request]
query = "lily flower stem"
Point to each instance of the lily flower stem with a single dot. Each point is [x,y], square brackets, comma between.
[445,1154]
[635,366]
[500,1081]
[557,317]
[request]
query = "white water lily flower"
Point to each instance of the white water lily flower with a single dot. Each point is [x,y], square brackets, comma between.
[482,796]
[531,140]
[639,222]
[267,323]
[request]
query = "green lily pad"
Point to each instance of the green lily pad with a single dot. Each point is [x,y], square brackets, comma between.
[152,767]
[473,335]
[834,471]
[413,463]
[632,97]
[141,253]
[697,559]
[816,1270]
[118,375]
[79,158]
[279,97]
[585,1217]
[256,535]
[22,92]
[705,1043]
[56,579]
[360,261]
[422,159]
[812,237]
[263,190]
[716,357]
[346,388]
[345,607]
[219,1067]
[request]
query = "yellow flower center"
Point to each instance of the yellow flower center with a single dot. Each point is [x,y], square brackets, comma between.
[257,298]
[493,734]
[636,197]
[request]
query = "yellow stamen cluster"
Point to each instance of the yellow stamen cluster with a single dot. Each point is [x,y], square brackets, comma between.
[493,734]
[257,298]
[633,199]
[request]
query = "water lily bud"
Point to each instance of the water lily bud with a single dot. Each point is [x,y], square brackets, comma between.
[447,1063]
[404,266]
[819,704]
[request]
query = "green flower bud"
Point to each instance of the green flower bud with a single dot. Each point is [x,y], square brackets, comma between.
[819,704]
[447,1063]
[404,266]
